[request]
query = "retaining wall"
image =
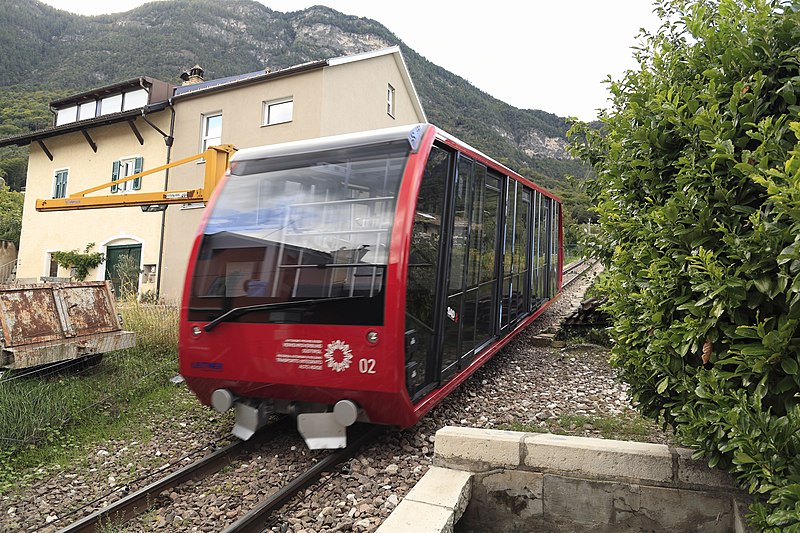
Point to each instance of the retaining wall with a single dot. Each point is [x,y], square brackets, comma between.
[487,480]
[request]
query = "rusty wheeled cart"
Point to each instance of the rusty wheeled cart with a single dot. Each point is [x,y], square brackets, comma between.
[51,323]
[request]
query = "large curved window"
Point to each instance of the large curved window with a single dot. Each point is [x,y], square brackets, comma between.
[301,239]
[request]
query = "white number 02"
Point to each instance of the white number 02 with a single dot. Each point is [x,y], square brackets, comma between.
[366,366]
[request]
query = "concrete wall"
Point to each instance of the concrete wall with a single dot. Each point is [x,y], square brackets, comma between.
[354,96]
[46,232]
[508,481]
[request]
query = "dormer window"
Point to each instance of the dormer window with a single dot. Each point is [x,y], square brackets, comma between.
[87,110]
[116,103]
[66,115]
[134,99]
[111,104]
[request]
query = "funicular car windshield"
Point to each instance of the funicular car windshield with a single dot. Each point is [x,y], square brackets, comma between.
[301,238]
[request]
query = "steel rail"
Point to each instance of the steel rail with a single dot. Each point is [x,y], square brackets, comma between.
[255,520]
[587,266]
[137,503]
[573,266]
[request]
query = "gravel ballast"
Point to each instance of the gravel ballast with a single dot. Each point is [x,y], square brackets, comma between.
[523,386]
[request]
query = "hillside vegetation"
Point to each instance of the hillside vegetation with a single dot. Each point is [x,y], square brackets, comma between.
[50,53]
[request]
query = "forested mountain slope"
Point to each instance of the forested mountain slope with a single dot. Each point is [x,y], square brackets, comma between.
[51,53]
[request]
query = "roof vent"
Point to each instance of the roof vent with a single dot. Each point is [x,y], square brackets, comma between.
[193,75]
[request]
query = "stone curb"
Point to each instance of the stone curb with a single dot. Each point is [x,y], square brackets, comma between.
[478,450]
[438,500]
[470,463]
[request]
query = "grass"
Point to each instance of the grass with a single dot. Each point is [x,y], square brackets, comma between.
[632,427]
[48,417]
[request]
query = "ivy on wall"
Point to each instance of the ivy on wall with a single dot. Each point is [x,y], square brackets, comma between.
[80,262]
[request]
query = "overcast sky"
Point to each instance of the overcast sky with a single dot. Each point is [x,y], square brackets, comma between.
[532,54]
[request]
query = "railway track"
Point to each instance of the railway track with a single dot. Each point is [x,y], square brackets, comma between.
[258,517]
[139,502]
[575,270]
[255,520]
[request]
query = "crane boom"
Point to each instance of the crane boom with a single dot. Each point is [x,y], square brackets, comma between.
[216,163]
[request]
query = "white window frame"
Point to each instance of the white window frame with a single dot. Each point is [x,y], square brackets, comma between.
[55,182]
[390,99]
[209,140]
[48,260]
[127,167]
[266,113]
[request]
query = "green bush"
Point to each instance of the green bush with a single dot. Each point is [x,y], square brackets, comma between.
[698,194]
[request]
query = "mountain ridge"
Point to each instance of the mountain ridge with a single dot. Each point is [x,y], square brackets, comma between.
[57,53]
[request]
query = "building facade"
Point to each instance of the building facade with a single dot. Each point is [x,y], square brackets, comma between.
[115,131]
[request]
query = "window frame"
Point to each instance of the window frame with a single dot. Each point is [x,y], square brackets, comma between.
[56,184]
[204,137]
[116,171]
[89,109]
[268,104]
[390,99]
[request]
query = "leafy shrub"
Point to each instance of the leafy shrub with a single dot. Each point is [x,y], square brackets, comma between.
[80,262]
[10,214]
[698,195]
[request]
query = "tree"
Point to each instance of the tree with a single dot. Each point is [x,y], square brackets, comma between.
[10,214]
[698,195]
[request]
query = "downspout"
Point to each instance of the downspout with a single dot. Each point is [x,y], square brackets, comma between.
[168,141]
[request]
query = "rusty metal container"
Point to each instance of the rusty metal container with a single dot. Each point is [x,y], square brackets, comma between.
[49,323]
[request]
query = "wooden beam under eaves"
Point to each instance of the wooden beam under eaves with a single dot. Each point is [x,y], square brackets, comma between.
[89,140]
[45,150]
[136,131]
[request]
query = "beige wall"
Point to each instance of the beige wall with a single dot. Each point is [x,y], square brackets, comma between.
[354,96]
[242,111]
[46,232]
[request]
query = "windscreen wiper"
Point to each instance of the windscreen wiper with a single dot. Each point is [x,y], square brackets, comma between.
[239,311]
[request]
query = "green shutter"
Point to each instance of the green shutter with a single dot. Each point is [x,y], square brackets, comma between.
[115,176]
[60,186]
[137,167]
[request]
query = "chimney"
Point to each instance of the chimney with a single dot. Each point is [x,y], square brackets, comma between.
[193,75]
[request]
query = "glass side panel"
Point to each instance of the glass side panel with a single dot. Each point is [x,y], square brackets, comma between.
[452,351]
[303,237]
[521,250]
[506,312]
[423,266]
[490,212]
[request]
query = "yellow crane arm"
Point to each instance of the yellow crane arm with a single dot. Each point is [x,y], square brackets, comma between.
[216,157]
